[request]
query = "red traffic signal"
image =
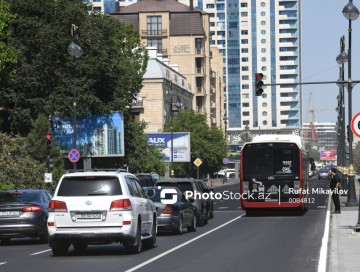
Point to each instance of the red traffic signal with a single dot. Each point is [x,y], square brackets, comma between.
[259,76]
[48,136]
[258,84]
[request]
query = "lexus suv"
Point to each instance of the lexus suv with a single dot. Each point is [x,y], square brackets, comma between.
[101,207]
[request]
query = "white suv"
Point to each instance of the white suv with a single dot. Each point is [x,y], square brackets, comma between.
[101,207]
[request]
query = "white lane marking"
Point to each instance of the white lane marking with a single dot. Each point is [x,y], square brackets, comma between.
[37,253]
[3,263]
[182,245]
[325,240]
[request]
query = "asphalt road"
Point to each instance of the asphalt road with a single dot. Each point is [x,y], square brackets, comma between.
[230,242]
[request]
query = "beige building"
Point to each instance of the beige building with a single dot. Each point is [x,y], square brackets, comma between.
[181,34]
[165,91]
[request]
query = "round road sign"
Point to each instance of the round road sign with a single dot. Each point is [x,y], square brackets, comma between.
[74,155]
[225,160]
[355,124]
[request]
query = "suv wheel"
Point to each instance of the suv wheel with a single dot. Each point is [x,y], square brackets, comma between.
[180,228]
[151,242]
[134,246]
[192,227]
[59,248]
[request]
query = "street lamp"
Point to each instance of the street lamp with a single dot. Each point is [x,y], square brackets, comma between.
[75,51]
[351,13]
[341,59]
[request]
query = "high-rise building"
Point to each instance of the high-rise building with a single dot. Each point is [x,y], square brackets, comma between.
[258,36]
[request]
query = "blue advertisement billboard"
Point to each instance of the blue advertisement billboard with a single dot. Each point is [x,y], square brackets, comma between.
[100,135]
[180,141]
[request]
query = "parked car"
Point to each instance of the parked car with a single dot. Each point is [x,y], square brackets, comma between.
[147,179]
[24,213]
[175,216]
[323,173]
[189,184]
[101,207]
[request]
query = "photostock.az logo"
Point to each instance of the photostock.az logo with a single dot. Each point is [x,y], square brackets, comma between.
[165,192]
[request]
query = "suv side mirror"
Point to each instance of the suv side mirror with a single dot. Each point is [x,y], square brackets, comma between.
[150,193]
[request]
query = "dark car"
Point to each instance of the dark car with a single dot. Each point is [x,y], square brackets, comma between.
[147,179]
[209,201]
[189,185]
[323,173]
[24,213]
[174,216]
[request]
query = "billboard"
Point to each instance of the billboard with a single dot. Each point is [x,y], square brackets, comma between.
[328,155]
[100,135]
[181,145]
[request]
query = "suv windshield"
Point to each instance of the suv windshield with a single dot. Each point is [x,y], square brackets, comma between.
[90,185]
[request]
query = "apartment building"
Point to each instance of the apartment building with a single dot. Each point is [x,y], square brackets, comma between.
[324,135]
[181,34]
[165,91]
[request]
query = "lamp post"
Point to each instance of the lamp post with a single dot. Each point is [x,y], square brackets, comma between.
[75,51]
[341,59]
[351,13]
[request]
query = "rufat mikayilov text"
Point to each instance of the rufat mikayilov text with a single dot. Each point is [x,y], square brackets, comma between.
[318,191]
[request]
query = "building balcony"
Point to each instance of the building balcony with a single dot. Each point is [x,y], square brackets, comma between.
[154,33]
[200,70]
[200,51]
[200,91]
[201,109]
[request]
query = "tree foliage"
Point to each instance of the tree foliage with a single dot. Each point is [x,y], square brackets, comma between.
[18,168]
[8,56]
[207,143]
[105,78]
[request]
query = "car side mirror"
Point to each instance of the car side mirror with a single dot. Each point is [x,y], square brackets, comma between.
[150,193]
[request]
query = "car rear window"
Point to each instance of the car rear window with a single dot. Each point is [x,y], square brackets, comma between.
[182,185]
[19,197]
[90,186]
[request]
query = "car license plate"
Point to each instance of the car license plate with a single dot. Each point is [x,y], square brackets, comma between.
[9,213]
[88,215]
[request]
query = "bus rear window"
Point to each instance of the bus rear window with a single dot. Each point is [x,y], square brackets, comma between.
[271,159]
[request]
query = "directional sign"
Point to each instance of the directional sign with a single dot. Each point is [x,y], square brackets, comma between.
[74,155]
[355,124]
[197,162]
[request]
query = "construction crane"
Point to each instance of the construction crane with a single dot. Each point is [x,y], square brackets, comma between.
[311,111]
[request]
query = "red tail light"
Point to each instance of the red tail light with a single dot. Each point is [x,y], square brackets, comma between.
[57,206]
[168,209]
[32,208]
[120,205]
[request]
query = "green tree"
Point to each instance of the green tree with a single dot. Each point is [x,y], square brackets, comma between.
[37,148]
[207,143]
[8,56]
[105,78]
[18,168]
[140,156]
[315,154]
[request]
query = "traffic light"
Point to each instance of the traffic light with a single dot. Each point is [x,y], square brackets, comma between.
[48,151]
[48,143]
[259,84]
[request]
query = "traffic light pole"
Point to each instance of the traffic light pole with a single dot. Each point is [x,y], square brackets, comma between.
[309,83]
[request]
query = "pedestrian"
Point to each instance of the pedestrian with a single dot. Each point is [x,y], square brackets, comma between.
[335,187]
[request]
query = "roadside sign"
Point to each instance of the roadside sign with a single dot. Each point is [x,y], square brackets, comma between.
[355,124]
[48,177]
[225,161]
[197,162]
[74,155]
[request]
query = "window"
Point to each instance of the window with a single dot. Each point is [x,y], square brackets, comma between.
[244,32]
[244,41]
[245,68]
[263,23]
[263,50]
[246,113]
[244,50]
[263,32]
[157,43]
[245,95]
[154,25]
[245,86]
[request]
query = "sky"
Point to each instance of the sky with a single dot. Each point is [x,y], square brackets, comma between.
[323,24]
